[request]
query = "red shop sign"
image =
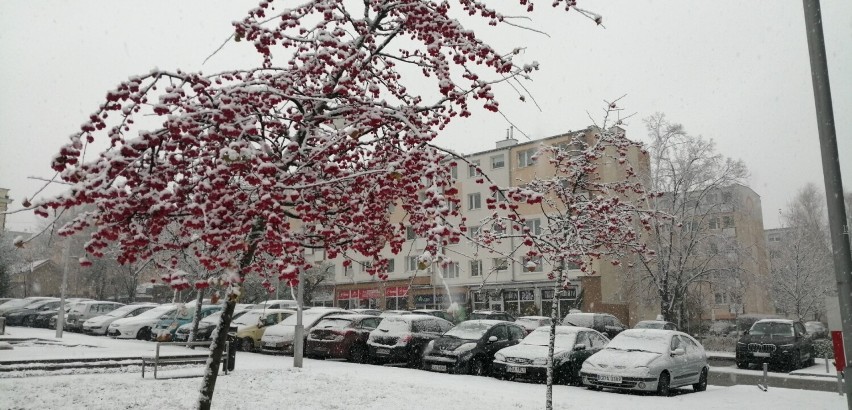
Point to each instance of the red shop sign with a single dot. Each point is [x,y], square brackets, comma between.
[839,354]
[391,291]
[343,294]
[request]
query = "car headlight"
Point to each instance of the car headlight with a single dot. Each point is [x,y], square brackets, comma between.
[643,369]
[429,347]
[540,361]
[500,356]
[465,348]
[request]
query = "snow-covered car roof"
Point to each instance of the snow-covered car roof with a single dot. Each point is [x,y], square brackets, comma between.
[412,317]
[786,321]
[350,316]
[564,330]
[533,318]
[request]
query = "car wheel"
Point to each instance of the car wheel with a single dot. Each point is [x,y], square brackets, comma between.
[664,384]
[358,354]
[247,344]
[702,381]
[415,359]
[742,365]
[143,334]
[477,367]
[28,321]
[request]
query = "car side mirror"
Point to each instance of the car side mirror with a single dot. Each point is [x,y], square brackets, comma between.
[492,339]
[579,346]
[678,352]
[746,332]
[261,324]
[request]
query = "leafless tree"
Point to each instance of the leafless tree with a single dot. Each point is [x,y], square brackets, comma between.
[800,258]
[692,181]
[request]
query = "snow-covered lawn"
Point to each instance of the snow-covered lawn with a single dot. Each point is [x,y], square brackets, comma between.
[270,382]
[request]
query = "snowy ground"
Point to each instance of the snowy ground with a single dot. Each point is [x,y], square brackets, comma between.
[271,382]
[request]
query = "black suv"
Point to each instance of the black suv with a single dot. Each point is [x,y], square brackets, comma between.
[469,347]
[605,323]
[779,342]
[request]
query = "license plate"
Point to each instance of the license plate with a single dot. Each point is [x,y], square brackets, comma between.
[439,367]
[516,369]
[609,378]
[321,349]
[760,354]
[383,351]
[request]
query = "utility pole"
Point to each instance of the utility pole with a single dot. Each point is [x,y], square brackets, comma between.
[60,317]
[299,336]
[831,174]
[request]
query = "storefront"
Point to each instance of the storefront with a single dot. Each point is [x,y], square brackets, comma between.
[387,295]
[533,299]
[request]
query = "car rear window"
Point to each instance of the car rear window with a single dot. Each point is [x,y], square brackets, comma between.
[335,323]
[394,325]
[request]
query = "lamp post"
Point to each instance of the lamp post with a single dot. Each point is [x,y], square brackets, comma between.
[60,317]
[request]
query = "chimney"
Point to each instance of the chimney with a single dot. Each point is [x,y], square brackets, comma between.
[509,141]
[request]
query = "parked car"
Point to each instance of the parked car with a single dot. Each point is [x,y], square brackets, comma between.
[655,324]
[722,328]
[99,325]
[25,316]
[491,314]
[371,312]
[605,323]
[469,347]
[277,304]
[387,313]
[279,338]
[779,342]
[433,312]
[648,360]
[252,325]
[531,323]
[342,337]
[403,338]
[206,327]
[16,304]
[139,326]
[528,359]
[84,311]
[47,319]
[817,330]
[165,328]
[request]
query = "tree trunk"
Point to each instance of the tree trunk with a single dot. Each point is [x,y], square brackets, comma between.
[198,300]
[554,318]
[217,347]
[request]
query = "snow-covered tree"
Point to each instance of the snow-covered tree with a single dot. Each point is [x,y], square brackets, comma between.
[800,261]
[591,199]
[310,149]
[692,178]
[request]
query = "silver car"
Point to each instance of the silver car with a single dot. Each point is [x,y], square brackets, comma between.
[648,360]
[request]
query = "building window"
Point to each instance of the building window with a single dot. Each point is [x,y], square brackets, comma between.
[476,268]
[409,233]
[348,271]
[538,265]
[473,231]
[499,196]
[714,223]
[474,201]
[525,157]
[714,249]
[473,169]
[727,197]
[497,228]
[498,161]
[534,226]
[365,265]
[452,205]
[390,265]
[450,270]
[500,263]
[411,261]
[454,171]
[728,221]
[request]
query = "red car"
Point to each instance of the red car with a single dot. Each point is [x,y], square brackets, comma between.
[342,337]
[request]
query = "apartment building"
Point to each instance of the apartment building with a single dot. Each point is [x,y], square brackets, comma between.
[478,278]
[4,204]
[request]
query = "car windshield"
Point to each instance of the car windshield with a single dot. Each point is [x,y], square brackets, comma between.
[542,338]
[13,304]
[480,315]
[309,317]
[470,330]
[394,325]
[157,312]
[37,303]
[333,323]
[640,341]
[530,322]
[650,324]
[122,311]
[772,329]
[246,318]
[580,320]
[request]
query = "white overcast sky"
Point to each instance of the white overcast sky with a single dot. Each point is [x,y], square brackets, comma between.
[735,71]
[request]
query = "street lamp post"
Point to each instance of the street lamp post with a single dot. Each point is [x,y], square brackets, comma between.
[60,317]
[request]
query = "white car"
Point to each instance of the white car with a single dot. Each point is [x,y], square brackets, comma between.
[99,325]
[279,338]
[648,360]
[139,327]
